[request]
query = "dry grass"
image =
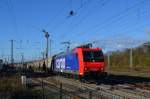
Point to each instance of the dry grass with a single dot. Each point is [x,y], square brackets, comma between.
[11,88]
[134,72]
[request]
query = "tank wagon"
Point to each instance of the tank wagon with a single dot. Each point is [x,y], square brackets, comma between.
[82,61]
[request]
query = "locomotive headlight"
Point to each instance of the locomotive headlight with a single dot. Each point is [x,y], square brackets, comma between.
[85,68]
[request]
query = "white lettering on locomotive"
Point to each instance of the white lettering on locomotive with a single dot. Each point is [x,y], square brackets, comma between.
[60,63]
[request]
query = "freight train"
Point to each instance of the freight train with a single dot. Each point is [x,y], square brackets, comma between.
[83,61]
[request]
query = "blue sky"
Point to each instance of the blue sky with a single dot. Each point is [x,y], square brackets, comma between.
[94,20]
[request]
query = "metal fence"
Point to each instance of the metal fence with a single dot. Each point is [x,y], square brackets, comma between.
[61,91]
[51,91]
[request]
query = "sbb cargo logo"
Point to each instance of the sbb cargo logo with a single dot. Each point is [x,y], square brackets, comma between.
[60,63]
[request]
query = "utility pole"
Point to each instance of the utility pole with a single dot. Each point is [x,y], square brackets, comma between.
[108,59]
[50,49]
[5,60]
[43,55]
[12,52]
[22,59]
[8,61]
[47,47]
[131,58]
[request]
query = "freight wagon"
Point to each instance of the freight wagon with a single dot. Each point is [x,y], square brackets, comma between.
[1,64]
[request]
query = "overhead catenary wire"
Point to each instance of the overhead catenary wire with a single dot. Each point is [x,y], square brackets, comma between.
[103,3]
[140,16]
[83,4]
[32,46]
[52,20]
[58,25]
[126,41]
[10,6]
[87,15]
[116,16]
[56,15]
[124,27]
[106,22]
[134,27]
[65,20]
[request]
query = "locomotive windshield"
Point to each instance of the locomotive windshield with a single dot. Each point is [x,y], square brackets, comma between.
[93,56]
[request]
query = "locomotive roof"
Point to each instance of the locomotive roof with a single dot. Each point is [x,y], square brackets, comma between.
[71,51]
[63,53]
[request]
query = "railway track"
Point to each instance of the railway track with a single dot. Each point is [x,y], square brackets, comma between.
[108,91]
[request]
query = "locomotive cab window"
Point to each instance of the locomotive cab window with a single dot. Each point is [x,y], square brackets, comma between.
[90,56]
